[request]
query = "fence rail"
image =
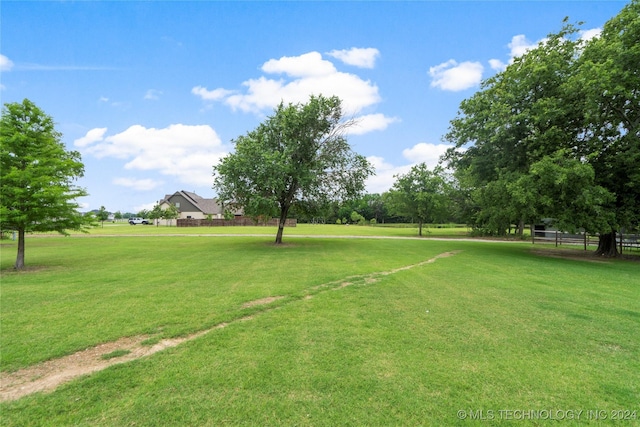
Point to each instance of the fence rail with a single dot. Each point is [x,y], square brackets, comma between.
[630,242]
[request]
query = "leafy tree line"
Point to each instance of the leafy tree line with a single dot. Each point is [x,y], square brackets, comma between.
[156,213]
[297,163]
[421,196]
[556,135]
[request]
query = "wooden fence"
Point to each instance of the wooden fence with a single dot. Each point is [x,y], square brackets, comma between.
[629,242]
[236,222]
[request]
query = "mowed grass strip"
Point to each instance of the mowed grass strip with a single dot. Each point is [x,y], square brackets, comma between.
[491,328]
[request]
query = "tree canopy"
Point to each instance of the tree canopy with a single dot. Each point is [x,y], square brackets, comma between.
[556,135]
[36,176]
[421,194]
[299,156]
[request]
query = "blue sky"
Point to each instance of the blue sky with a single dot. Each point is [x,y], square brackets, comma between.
[152,93]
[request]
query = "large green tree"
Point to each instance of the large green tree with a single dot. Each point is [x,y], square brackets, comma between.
[607,80]
[36,176]
[421,195]
[517,118]
[299,155]
[562,121]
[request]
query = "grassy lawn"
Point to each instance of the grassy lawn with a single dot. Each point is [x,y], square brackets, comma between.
[389,230]
[493,328]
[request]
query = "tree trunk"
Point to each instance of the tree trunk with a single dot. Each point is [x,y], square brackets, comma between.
[521,228]
[607,245]
[283,218]
[420,228]
[20,258]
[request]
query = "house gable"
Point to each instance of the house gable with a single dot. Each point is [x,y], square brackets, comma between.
[191,205]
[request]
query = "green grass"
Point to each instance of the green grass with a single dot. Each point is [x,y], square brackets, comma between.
[491,328]
[389,230]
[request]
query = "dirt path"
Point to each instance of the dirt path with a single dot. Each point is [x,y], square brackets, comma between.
[48,375]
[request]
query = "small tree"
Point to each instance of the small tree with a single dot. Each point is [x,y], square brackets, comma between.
[170,213]
[298,155]
[102,215]
[228,215]
[356,218]
[155,214]
[420,194]
[36,176]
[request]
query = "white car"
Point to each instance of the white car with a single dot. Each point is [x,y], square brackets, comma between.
[134,221]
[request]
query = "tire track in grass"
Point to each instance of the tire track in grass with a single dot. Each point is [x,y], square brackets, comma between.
[47,376]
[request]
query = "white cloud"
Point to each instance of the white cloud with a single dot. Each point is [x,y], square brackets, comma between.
[451,76]
[359,57]
[519,45]
[307,65]
[94,135]
[425,153]
[456,77]
[182,151]
[137,184]
[153,94]
[370,123]
[5,63]
[385,175]
[497,65]
[590,34]
[304,75]
[211,95]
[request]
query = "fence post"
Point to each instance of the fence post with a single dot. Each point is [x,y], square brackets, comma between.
[556,238]
[533,233]
[621,242]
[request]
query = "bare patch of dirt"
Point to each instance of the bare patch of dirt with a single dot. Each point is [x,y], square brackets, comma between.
[343,285]
[46,376]
[429,261]
[262,301]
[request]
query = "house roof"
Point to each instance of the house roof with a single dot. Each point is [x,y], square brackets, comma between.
[206,206]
